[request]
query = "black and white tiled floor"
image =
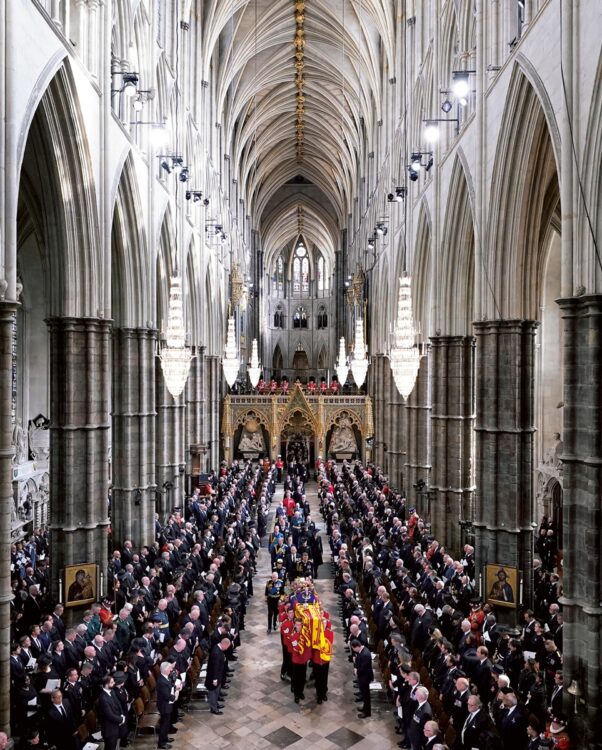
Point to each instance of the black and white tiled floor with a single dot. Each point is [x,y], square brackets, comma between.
[260,712]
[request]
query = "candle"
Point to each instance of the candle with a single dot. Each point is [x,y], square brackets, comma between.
[60,589]
[102,584]
[480,584]
[520,591]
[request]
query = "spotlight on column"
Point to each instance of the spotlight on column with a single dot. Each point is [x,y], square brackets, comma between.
[184,175]
[371,243]
[398,196]
[130,84]
[431,131]
[460,84]
[446,106]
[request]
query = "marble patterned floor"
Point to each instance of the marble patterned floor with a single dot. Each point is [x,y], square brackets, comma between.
[260,712]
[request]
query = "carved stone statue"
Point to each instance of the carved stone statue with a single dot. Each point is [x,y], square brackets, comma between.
[39,438]
[251,442]
[343,438]
[19,444]
[554,452]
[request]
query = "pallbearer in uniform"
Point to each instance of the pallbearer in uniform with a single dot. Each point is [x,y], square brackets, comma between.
[286,626]
[321,660]
[300,650]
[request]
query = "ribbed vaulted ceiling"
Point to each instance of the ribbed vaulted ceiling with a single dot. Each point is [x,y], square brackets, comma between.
[347,44]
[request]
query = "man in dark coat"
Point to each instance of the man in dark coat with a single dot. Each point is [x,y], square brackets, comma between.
[216,672]
[166,698]
[477,723]
[482,674]
[61,726]
[120,692]
[110,714]
[422,713]
[364,674]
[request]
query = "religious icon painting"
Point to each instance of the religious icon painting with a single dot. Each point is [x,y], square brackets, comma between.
[501,585]
[80,584]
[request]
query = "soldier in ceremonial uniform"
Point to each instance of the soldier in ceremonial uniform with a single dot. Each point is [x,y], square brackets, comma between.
[286,626]
[273,590]
[321,661]
[300,652]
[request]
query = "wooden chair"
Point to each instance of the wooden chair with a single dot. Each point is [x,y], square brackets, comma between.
[144,721]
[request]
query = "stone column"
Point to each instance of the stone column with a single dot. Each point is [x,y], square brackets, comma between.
[387,415]
[7,313]
[169,456]
[582,505]
[378,398]
[504,502]
[418,413]
[195,399]
[133,506]
[204,362]
[80,378]
[397,439]
[213,410]
[452,426]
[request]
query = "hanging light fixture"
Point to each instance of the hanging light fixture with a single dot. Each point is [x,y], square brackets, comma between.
[255,366]
[231,361]
[405,355]
[359,362]
[341,366]
[175,356]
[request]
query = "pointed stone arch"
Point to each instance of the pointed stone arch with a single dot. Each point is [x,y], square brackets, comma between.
[56,160]
[421,272]
[130,281]
[322,358]
[524,169]
[277,359]
[456,304]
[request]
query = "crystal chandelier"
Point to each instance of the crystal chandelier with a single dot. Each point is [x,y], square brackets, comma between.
[231,362]
[175,356]
[404,355]
[341,366]
[255,366]
[359,362]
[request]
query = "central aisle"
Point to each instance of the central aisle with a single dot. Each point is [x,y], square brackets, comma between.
[260,711]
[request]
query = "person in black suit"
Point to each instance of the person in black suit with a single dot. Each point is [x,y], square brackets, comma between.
[166,698]
[72,653]
[61,727]
[422,714]
[32,612]
[364,674]
[72,694]
[459,709]
[482,674]
[477,722]
[59,662]
[216,672]
[110,714]
[556,696]
[513,724]
[57,621]
[17,668]
[432,735]
[120,692]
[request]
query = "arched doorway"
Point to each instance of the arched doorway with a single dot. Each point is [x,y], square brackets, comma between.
[298,436]
[277,362]
[300,364]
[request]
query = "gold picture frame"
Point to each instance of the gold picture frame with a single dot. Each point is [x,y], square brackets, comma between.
[80,584]
[501,585]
